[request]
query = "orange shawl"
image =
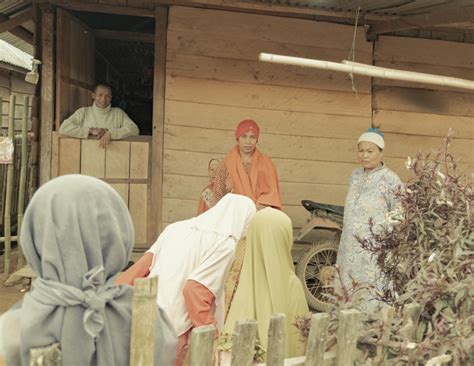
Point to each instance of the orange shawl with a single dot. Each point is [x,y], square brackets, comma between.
[262,185]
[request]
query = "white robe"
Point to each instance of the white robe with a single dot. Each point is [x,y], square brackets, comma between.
[200,249]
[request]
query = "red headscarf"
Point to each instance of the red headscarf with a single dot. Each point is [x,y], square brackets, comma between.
[246,126]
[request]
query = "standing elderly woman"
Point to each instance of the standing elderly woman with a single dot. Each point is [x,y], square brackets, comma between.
[371,196]
[247,171]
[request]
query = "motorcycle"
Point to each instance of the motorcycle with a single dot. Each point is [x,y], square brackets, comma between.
[315,251]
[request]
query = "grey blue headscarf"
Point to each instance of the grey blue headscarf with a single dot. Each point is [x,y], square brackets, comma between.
[77,235]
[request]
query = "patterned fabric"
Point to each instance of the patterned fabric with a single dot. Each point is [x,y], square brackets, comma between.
[223,181]
[371,195]
[234,274]
[207,196]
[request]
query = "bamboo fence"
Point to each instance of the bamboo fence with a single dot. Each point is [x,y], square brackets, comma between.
[16,188]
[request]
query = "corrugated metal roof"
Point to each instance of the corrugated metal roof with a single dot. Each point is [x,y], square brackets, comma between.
[11,6]
[14,56]
[17,42]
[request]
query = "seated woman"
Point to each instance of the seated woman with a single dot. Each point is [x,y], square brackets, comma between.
[268,284]
[205,200]
[247,171]
[192,259]
[77,235]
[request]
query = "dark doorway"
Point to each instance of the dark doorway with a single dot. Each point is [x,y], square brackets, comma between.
[124,55]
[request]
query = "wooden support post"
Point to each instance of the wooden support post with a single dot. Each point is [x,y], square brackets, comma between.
[23,172]
[9,192]
[387,314]
[144,314]
[202,346]
[411,316]
[156,162]
[347,337]
[47,94]
[276,340]
[50,356]
[243,342]
[316,345]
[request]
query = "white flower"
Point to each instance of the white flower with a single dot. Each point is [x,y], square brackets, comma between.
[394,217]
[441,175]
[442,200]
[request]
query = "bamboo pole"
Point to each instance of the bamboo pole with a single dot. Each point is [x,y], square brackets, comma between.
[8,195]
[12,238]
[369,70]
[23,171]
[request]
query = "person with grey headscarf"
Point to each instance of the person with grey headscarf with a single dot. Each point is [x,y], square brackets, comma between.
[77,235]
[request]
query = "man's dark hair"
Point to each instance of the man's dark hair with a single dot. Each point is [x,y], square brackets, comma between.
[103,85]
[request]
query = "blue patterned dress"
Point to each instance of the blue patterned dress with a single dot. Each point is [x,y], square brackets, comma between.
[371,194]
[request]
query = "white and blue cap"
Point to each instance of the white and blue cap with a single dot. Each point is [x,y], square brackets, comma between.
[373,135]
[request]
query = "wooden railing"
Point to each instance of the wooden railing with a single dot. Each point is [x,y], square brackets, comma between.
[125,165]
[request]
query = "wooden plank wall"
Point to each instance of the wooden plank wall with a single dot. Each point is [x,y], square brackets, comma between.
[309,119]
[418,116]
[15,84]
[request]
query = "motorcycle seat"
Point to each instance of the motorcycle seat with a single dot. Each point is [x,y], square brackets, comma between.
[312,206]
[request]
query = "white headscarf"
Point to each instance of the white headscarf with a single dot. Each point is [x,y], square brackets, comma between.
[200,249]
[373,137]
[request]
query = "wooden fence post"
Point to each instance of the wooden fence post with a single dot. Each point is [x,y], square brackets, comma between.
[276,340]
[23,172]
[316,345]
[439,360]
[387,314]
[347,332]
[202,346]
[411,316]
[46,356]
[8,196]
[243,342]
[144,313]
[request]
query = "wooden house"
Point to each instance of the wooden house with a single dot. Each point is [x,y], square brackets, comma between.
[197,61]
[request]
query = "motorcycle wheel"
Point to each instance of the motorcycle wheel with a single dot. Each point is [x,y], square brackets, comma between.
[315,269]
